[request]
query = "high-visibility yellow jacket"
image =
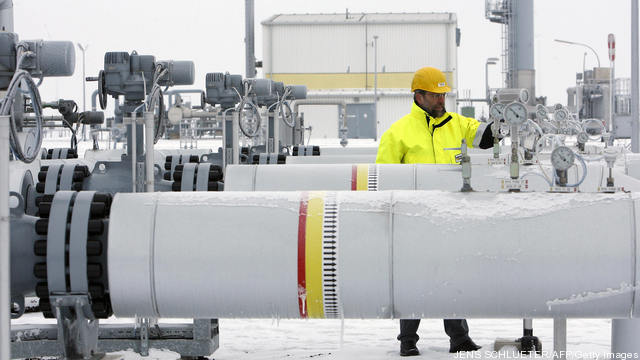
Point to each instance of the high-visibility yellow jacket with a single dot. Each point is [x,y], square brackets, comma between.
[419,138]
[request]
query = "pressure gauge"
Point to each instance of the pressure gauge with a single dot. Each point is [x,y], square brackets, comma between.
[562,158]
[582,137]
[515,113]
[524,96]
[497,111]
[561,114]
[175,115]
[594,128]
[541,112]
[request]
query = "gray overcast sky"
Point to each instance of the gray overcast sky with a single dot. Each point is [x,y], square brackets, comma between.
[211,33]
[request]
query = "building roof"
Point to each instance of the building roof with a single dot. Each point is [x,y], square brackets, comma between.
[348,18]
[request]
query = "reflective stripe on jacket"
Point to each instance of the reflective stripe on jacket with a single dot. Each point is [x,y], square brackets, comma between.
[420,138]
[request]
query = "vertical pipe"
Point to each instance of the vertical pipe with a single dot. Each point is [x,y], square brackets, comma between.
[560,337]
[635,146]
[250,59]
[5,258]
[94,97]
[6,15]
[276,133]
[134,150]
[148,143]
[522,47]
[486,81]
[366,55]
[235,141]
[612,89]
[523,23]
[84,79]
[625,334]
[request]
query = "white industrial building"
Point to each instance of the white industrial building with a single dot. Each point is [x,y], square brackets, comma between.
[352,56]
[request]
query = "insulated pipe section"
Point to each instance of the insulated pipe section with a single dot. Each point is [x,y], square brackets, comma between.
[396,254]
[374,177]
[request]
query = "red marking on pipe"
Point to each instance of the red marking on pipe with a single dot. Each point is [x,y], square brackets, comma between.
[354,177]
[302,234]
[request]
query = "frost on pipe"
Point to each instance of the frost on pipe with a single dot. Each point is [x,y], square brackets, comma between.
[372,255]
[377,177]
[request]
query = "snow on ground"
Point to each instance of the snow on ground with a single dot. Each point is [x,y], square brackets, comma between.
[262,339]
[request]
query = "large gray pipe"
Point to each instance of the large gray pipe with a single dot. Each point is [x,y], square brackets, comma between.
[250,59]
[635,91]
[522,69]
[6,15]
[373,255]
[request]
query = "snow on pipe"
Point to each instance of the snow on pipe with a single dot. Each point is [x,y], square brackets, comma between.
[373,177]
[373,255]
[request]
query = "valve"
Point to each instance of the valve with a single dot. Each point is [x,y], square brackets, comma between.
[465,162]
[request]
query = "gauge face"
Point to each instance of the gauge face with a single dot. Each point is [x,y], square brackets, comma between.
[594,128]
[496,111]
[541,111]
[524,96]
[583,137]
[175,115]
[562,158]
[515,113]
[560,115]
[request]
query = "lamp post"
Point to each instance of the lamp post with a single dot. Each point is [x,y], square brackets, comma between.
[375,81]
[83,48]
[580,44]
[490,61]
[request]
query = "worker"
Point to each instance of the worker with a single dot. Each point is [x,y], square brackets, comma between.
[422,137]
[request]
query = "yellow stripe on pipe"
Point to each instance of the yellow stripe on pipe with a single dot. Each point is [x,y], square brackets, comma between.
[363,177]
[313,255]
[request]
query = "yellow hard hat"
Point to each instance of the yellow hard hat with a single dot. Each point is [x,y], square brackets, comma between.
[430,79]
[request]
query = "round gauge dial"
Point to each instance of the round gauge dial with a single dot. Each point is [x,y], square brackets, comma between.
[496,111]
[175,115]
[561,115]
[562,158]
[541,111]
[582,137]
[524,96]
[515,113]
[594,128]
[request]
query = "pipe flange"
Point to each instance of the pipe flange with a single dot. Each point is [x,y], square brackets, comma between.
[55,177]
[61,153]
[72,249]
[197,177]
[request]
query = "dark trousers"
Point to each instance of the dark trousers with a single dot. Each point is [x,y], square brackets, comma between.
[457,329]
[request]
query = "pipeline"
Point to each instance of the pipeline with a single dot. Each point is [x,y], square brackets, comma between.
[372,255]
